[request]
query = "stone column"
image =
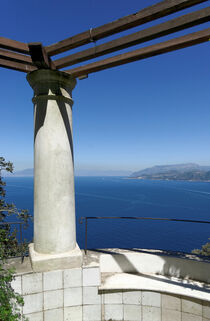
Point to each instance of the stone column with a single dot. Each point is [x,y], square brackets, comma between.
[54,244]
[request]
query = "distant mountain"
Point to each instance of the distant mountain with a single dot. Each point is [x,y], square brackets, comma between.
[29,172]
[189,171]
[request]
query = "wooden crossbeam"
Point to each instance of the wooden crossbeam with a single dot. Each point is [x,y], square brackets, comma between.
[16,65]
[14,45]
[156,11]
[39,56]
[174,25]
[146,52]
[13,56]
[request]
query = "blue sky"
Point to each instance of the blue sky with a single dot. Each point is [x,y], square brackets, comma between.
[154,111]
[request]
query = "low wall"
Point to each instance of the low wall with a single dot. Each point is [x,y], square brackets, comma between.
[78,295]
[158,264]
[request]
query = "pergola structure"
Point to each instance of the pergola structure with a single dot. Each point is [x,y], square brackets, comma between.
[54,209]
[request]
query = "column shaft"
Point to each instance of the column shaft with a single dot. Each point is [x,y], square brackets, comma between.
[54,203]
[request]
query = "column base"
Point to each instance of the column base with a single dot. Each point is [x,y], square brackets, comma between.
[48,262]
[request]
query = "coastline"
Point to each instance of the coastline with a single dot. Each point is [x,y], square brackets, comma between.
[175,180]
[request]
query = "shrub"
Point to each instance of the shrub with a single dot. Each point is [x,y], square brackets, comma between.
[205,250]
[10,301]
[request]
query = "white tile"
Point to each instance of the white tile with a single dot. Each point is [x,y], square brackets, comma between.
[35,316]
[91,312]
[171,302]
[113,312]
[192,306]
[33,303]
[132,312]
[16,284]
[171,315]
[151,314]
[132,297]
[32,283]
[151,298]
[91,277]
[52,280]
[72,278]
[90,295]
[112,298]
[53,315]
[53,299]
[206,310]
[72,296]
[73,313]
[190,317]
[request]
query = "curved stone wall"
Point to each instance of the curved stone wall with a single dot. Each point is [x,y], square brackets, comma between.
[152,306]
[76,295]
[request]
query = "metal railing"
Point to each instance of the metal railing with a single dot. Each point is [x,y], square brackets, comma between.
[21,236]
[86,218]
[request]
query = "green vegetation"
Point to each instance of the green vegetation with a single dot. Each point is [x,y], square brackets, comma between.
[10,302]
[205,250]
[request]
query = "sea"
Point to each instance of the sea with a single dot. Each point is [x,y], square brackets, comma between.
[121,197]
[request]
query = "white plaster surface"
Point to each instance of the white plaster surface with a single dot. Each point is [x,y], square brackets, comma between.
[192,306]
[151,298]
[38,316]
[151,313]
[16,284]
[32,283]
[206,310]
[91,276]
[112,298]
[132,297]
[33,303]
[113,312]
[73,313]
[155,283]
[90,295]
[72,278]
[53,299]
[171,315]
[72,296]
[53,315]
[190,317]
[91,313]
[132,312]
[48,262]
[171,302]
[147,263]
[53,280]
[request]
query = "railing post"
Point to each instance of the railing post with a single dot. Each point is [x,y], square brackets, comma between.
[21,242]
[85,235]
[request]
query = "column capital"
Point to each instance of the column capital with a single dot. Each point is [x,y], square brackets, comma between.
[51,84]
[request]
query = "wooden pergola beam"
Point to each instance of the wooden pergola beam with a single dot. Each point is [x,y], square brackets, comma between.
[168,27]
[146,52]
[14,45]
[16,65]
[13,56]
[156,11]
[39,56]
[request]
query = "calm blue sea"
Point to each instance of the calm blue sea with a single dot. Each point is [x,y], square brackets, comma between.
[117,196]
